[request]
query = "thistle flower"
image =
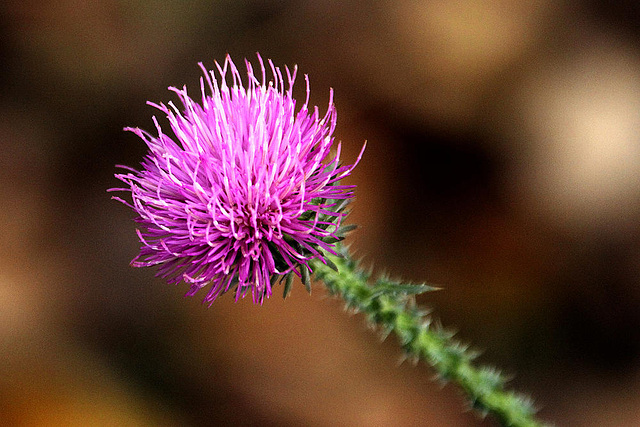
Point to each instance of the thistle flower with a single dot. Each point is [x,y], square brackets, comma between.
[246,192]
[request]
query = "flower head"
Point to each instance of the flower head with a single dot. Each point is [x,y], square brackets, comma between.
[246,190]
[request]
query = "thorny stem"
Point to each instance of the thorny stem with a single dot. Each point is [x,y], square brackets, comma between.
[390,306]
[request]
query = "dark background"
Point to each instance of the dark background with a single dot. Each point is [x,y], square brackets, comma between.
[502,164]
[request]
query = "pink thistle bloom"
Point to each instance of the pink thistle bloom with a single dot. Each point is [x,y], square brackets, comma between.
[246,191]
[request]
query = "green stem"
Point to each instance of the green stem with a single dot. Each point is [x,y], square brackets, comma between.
[390,305]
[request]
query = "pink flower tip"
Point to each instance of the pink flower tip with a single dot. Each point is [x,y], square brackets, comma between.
[245,191]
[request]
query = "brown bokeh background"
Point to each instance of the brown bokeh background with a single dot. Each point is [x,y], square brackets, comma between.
[503,163]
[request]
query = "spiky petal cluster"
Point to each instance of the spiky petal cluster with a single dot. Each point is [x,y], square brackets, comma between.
[245,192]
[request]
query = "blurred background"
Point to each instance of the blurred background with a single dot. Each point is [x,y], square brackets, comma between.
[503,164]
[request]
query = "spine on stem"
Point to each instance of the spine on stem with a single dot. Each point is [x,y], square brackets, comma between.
[391,307]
